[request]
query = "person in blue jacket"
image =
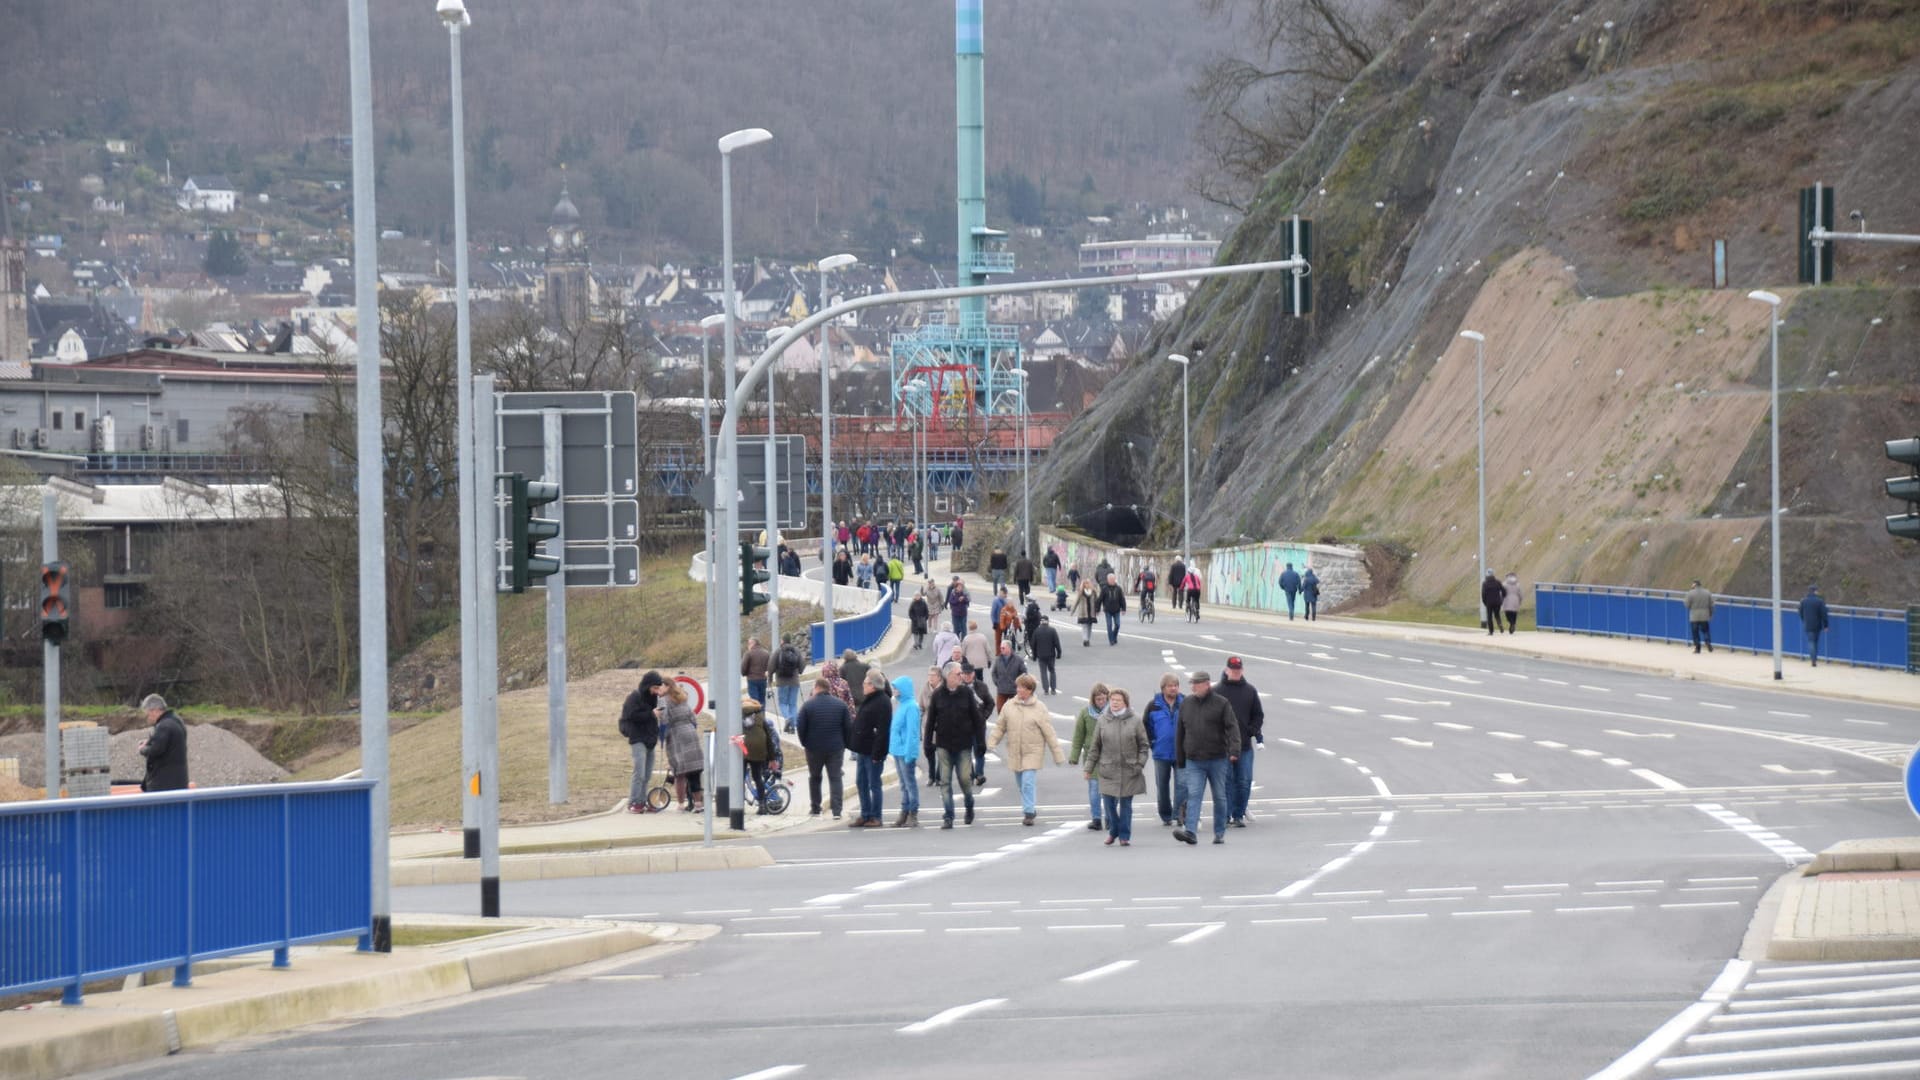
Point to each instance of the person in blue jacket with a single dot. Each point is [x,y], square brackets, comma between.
[904,744]
[1310,592]
[1813,619]
[1290,584]
[1162,719]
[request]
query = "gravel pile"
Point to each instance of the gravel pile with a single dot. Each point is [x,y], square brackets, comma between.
[215,757]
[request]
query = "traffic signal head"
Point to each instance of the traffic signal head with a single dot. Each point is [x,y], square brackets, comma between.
[750,575]
[1297,242]
[1816,212]
[56,593]
[1907,488]
[530,532]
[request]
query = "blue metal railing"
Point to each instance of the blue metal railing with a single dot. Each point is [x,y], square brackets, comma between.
[98,888]
[1867,637]
[858,632]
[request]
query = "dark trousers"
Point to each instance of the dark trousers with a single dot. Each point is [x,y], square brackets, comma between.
[1493,618]
[830,763]
[1313,607]
[1513,620]
[1166,782]
[1049,680]
[1025,587]
[1700,632]
[757,776]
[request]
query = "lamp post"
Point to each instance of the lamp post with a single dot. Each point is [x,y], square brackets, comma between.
[772,514]
[706,456]
[827,536]
[1026,476]
[1773,411]
[1186,461]
[728,143]
[454,14]
[1480,408]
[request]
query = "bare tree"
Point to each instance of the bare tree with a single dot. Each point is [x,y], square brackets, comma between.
[525,352]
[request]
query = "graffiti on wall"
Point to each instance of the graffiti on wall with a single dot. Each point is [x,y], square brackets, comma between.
[1249,577]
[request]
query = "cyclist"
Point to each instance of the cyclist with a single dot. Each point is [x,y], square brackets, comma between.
[1145,583]
[1193,594]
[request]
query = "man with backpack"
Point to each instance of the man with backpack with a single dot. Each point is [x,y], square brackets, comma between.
[787,666]
[1050,562]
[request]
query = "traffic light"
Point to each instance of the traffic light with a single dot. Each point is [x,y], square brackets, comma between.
[1297,240]
[1906,452]
[1816,212]
[55,589]
[530,532]
[750,576]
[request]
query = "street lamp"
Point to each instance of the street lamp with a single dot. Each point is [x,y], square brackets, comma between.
[1480,407]
[1186,461]
[706,453]
[1773,513]
[827,535]
[1026,482]
[731,141]
[772,511]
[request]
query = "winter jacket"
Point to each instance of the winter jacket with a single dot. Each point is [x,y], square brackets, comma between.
[1113,599]
[684,753]
[1492,593]
[1083,724]
[958,602]
[1208,729]
[1510,594]
[1813,613]
[838,685]
[954,721]
[917,614]
[1086,607]
[903,740]
[978,653]
[1051,560]
[1033,616]
[1027,729]
[759,739]
[1162,724]
[638,720]
[1006,669]
[997,561]
[993,613]
[787,665]
[1699,605]
[1289,581]
[943,643]
[754,665]
[1310,586]
[824,725]
[896,571]
[873,727]
[855,672]
[1023,570]
[1117,754]
[1247,710]
[982,698]
[1177,575]
[166,754]
[1046,643]
[842,571]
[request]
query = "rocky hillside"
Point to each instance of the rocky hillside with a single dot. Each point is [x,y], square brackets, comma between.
[1552,173]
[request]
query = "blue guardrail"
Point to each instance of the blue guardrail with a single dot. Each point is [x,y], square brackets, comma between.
[98,888]
[856,632]
[1867,637]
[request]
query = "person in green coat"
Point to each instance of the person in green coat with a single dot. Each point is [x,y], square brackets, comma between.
[1116,761]
[1083,727]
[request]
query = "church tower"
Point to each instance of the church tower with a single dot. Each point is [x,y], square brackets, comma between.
[13,290]
[567,287]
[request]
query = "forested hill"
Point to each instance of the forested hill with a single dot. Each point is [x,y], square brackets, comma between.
[632,94]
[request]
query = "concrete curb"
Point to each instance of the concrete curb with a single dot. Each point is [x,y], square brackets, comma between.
[155,1021]
[454,870]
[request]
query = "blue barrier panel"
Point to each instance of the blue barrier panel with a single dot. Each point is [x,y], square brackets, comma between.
[1869,637]
[95,888]
[859,632]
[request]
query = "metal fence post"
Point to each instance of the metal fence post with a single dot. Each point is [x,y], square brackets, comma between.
[183,972]
[76,944]
[280,955]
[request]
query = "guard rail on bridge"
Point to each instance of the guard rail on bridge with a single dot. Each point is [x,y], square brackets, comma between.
[1867,637]
[97,888]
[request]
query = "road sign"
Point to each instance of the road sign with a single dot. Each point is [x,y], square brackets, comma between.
[1913,781]
[600,471]
[790,491]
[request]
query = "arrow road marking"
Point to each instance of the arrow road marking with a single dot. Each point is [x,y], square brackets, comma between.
[1784,771]
[948,1016]
[1509,778]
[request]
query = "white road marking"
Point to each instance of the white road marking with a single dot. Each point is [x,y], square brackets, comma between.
[1588,753]
[1380,786]
[948,1016]
[1619,907]
[1555,682]
[1617,762]
[783,933]
[1348,709]
[1704,903]
[1643,881]
[773,1073]
[1192,936]
[880,933]
[1461,679]
[1297,701]
[1653,697]
[1851,720]
[1100,972]
[1708,880]
[831,899]
[1165,899]
[1497,911]
[1278,922]
[1511,675]
[720,911]
[1539,885]
[1451,726]
[1404,741]
[1789,715]
[1640,734]
[1595,689]
[1383,918]
[1397,716]
[1714,705]
[1550,744]
[1505,735]
[983,929]
[1659,781]
[1447,889]
[1508,778]
[765,918]
[1784,771]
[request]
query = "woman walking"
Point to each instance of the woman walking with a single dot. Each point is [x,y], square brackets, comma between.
[1116,763]
[640,723]
[1086,611]
[904,744]
[685,759]
[1083,726]
[837,684]
[1510,600]
[1027,729]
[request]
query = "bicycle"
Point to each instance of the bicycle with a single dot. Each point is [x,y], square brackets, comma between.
[1146,606]
[1193,607]
[779,792]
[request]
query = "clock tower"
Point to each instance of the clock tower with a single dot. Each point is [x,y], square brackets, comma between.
[567,286]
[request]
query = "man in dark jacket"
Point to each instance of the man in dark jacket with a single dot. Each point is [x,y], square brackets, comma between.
[954,727]
[1252,717]
[1208,742]
[1290,584]
[1113,603]
[1310,594]
[1813,620]
[824,726]
[1492,593]
[842,568]
[165,750]
[1176,580]
[872,733]
[1007,667]
[1046,650]
[641,727]
[753,667]
[1051,563]
[1023,576]
[854,670]
[997,568]
[973,680]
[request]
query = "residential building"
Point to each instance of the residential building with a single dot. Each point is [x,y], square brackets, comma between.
[1161,251]
[211,193]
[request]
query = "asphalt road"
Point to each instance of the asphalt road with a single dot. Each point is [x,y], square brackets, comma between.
[1461,864]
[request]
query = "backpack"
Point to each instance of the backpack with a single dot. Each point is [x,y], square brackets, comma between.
[787,661]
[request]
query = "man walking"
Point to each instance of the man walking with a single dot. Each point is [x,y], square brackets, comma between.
[971,681]
[854,670]
[1007,669]
[1813,619]
[1208,741]
[954,728]
[977,649]
[997,568]
[165,749]
[1310,592]
[1046,650]
[1113,604]
[1252,718]
[957,601]
[1290,584]
[754,667]
[1023,576]
[787,665]
[1699,616]
[1492,593]
[1051,563]
[824,726]
[872,737]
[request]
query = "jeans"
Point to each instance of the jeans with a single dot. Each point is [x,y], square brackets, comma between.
[1093,798]
[909,784]
[1291,596]
[954,765]
[788,698]
[1049,679]
[817,761]
[1493,619]
[999,579]
[1086,633]
[1813,646]
[1699,632]
[1197,777]
[757,690]
[1029,789]
[1113,627]
[1242,787]
[1119,810]
[960,623]
[642,773]
[757,777]
[1166,782]
[866,778]
[1313,607]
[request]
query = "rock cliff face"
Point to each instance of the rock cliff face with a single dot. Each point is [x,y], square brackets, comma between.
[1553,173]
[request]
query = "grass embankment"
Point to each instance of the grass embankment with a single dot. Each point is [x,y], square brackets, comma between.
[659,624]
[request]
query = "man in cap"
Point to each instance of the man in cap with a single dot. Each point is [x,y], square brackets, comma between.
[1252,717]
[1207,742]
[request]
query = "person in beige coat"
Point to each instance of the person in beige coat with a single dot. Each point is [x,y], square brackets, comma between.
[1116,758]
[1027,729]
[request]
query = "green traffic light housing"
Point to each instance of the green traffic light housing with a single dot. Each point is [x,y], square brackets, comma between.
[530,532]
[752,558]
[1297,242]
[1906,488]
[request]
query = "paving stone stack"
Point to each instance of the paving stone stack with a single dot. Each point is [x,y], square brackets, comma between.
[86,755]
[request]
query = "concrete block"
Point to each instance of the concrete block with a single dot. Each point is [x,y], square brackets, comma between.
[513,963]
[250,1005]
[71,1041]
[1887,853]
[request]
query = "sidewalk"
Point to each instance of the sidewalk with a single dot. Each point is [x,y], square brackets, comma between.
[229,1000]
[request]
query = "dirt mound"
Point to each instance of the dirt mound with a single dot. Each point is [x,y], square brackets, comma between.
[215,758]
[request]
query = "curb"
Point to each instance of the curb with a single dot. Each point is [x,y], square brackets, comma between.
[157,1021]
[455,870]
